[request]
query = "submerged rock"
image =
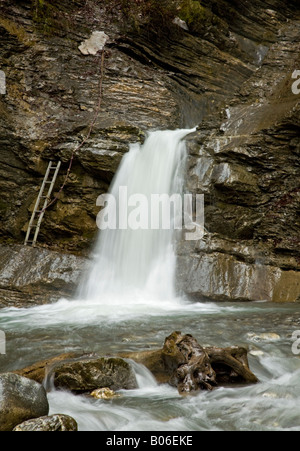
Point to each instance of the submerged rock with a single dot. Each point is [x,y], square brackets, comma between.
[21,399]
[53,423]
[266,336]
[256,352]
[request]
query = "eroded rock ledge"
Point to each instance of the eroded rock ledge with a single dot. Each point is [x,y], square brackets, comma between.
[31,276]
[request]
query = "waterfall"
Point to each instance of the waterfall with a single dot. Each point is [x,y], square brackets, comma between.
[139,261]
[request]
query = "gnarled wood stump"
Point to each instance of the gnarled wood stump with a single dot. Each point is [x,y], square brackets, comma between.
[188,363]
[192,367]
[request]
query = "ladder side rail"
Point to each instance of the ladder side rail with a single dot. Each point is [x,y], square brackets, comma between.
[45,204]
[37,203]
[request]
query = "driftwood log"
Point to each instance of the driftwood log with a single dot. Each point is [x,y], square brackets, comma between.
[185,364]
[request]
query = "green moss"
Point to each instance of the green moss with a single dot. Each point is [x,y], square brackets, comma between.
[3,207]
[154,15]
[191,11]
[194,14]
[16,30]
[158,15]
[48,18]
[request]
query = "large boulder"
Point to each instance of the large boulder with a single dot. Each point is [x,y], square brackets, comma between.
[89,374]
[21,399]
[53,423]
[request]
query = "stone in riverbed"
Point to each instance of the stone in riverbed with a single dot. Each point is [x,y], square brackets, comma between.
[21,399]
[53,423]
[266,336]
[104,393]
[91,374]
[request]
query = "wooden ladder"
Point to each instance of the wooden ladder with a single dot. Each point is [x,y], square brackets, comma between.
[44,196]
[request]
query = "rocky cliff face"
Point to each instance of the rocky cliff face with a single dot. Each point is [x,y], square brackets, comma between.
[231,72]
[246,162]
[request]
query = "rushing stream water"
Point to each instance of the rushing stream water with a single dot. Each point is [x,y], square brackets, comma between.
[127,302]
[274,403]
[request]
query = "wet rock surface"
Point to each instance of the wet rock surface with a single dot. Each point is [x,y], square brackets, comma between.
[53,423]
[21,399]
[31,276]
[51,102]
[104,393]
[86,375]
[246,163]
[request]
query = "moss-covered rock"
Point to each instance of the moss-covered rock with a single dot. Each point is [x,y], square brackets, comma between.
[90,374]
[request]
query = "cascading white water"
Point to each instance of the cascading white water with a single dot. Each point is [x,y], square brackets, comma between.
[141,262]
